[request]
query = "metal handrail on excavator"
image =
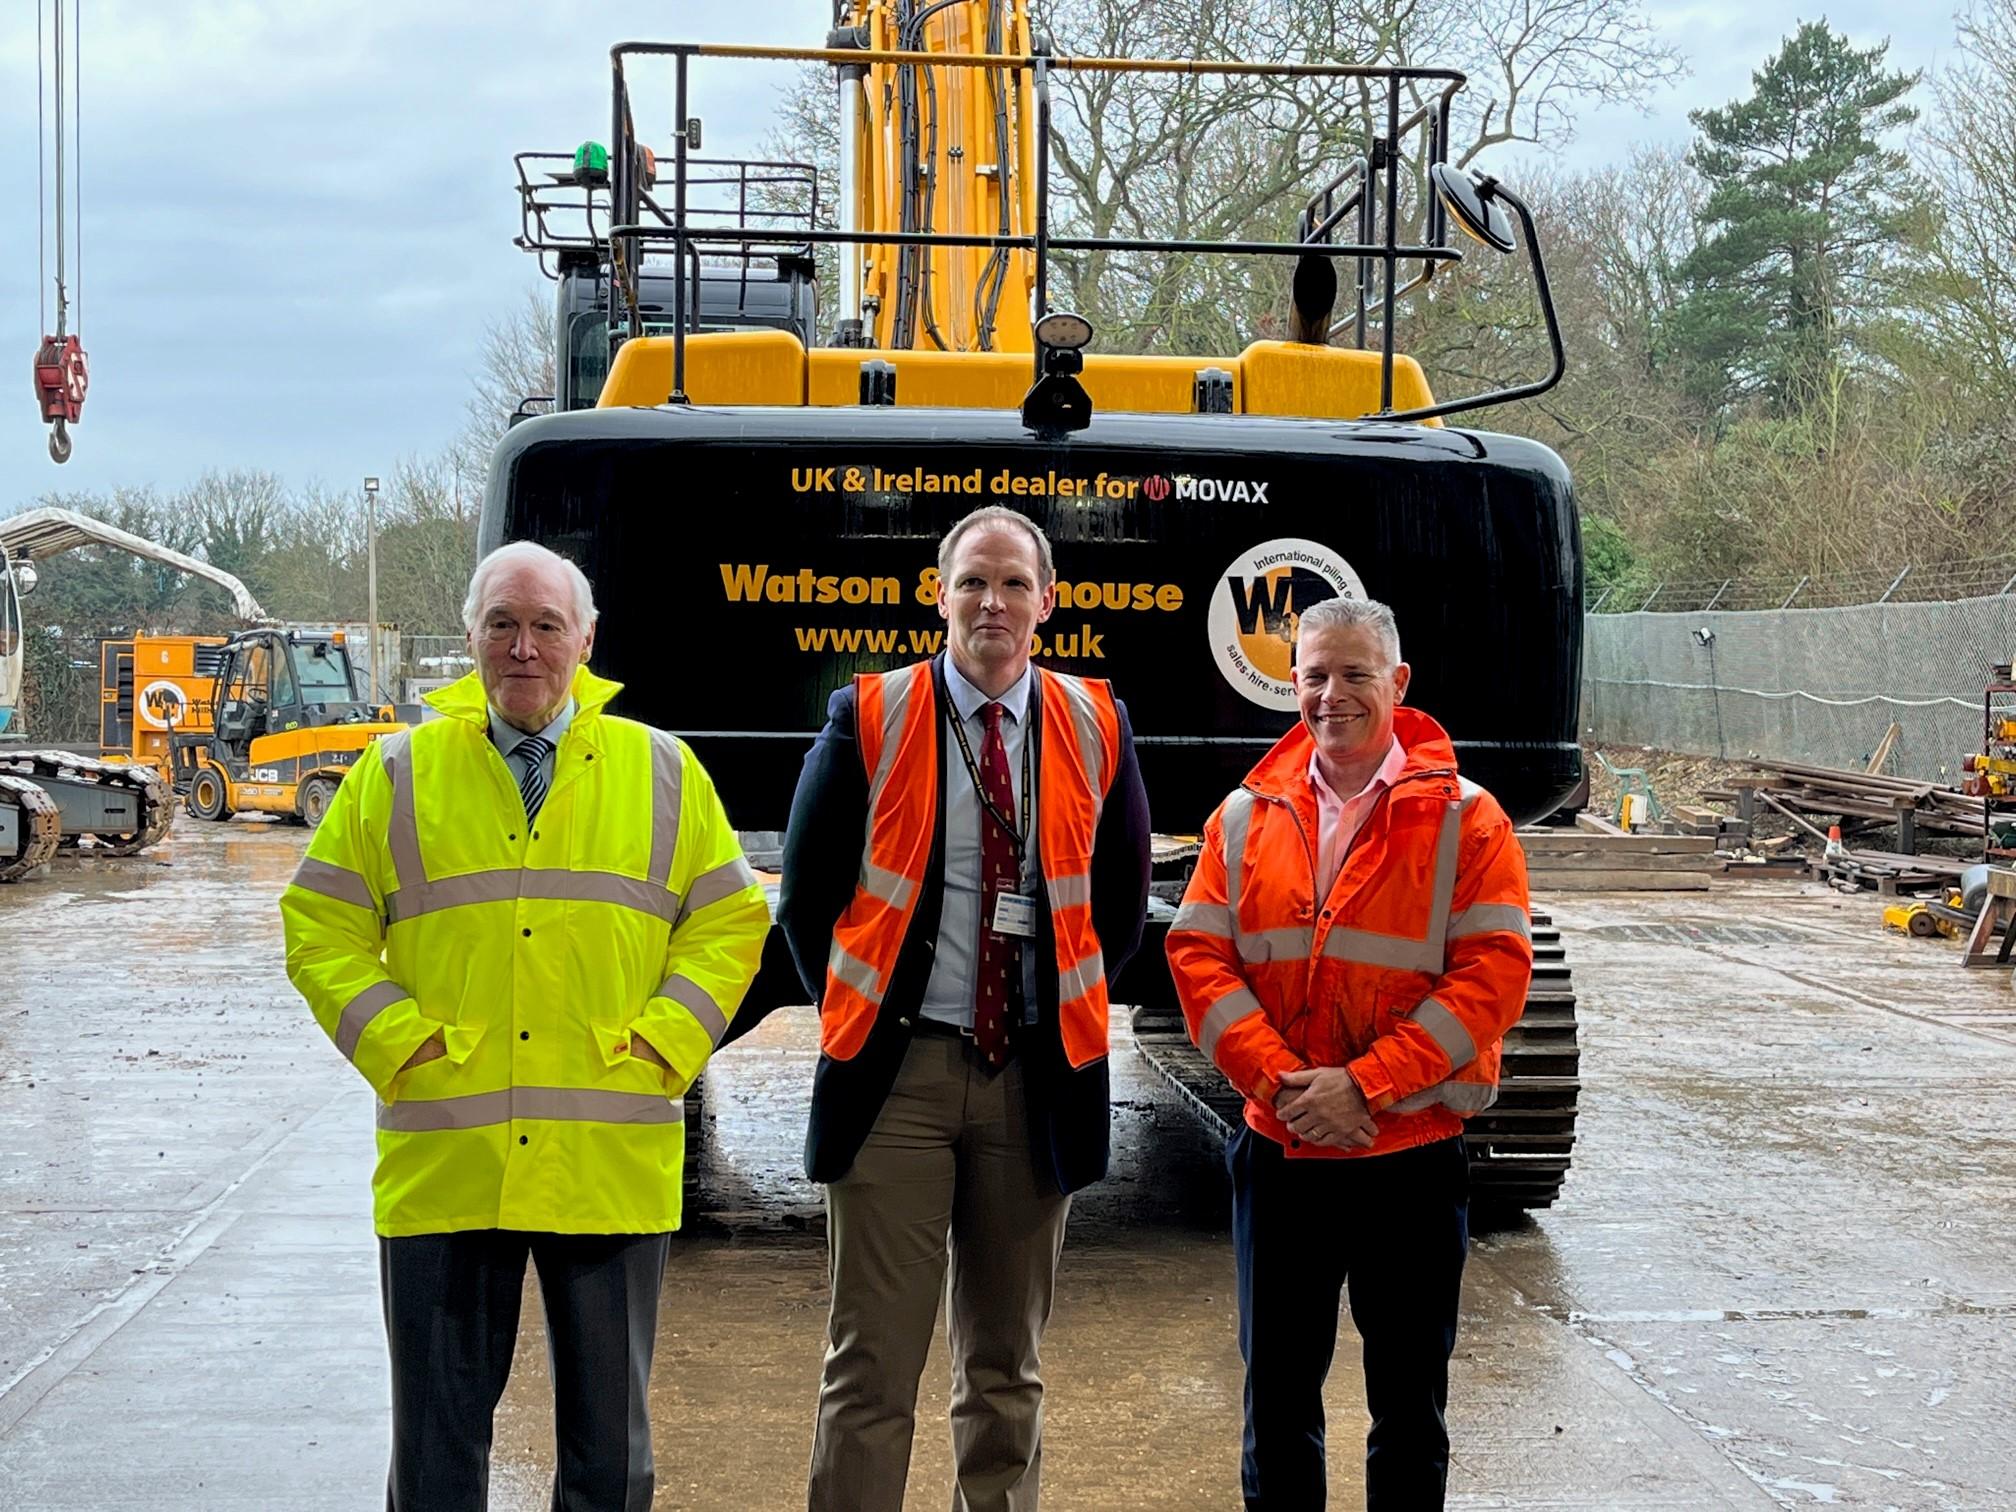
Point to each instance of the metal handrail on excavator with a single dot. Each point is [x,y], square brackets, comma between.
[1376,173]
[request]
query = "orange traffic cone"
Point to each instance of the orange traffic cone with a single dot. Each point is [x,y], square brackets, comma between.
[1834,846]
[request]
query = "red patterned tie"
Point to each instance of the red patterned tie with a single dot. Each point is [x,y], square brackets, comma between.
[997,994]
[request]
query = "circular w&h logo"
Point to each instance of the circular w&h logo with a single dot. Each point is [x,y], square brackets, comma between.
[1257,607]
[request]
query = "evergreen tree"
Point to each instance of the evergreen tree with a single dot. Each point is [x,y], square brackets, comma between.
[1807,222]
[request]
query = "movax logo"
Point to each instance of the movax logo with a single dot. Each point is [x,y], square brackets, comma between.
[1257,608]
[1205,490]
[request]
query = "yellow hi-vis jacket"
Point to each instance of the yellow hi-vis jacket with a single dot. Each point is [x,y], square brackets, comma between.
[427,905]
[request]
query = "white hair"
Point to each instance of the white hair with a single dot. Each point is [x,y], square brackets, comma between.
[1348,614]
[527,554]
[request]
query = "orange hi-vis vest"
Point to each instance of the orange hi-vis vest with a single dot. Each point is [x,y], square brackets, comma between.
[897,731]
[1408,973]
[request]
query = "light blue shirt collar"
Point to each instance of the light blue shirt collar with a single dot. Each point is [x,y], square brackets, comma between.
[506,736]
[969,700]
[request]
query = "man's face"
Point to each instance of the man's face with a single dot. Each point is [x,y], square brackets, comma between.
[993,599]
[527,643]
[1347,690]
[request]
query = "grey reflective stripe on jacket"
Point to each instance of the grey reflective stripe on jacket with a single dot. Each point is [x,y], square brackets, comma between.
[1237,1004]
[1465,1097]
[697,1001]
[1085,729]
[417,895]
[477,1110]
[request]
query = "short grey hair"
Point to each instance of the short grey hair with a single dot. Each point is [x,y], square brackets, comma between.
[1342,613]
[987,517]
[527,554]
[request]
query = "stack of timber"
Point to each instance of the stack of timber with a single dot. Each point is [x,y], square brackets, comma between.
[1793,788]
[1889,872]
[1691,819]
[1596,856]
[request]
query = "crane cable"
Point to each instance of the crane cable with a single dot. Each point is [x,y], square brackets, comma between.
[62,375]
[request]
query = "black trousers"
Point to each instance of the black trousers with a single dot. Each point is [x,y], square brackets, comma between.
[1394,1230]
[451,1321]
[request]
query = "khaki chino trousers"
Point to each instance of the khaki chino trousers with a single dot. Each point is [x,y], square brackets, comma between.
[943,1200]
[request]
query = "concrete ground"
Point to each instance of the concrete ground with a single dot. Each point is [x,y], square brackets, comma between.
[1783,1272]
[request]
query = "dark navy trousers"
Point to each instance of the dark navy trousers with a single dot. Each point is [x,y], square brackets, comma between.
[451,1318]
[1394,1231]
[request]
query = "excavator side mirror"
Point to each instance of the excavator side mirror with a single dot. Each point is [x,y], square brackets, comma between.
[1474,200]
[1479,202]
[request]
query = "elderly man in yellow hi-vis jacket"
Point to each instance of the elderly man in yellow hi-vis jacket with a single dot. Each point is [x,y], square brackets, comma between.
[527,925]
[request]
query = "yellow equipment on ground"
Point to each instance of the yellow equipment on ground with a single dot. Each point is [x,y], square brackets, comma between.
[1918,919]
[264,721]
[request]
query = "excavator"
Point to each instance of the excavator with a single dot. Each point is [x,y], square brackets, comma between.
[51,798]
[772,505]
[264,720]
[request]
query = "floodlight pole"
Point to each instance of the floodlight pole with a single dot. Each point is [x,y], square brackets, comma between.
[371,578]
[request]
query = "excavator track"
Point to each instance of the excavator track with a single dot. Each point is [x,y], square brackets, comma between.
[1520,1148]
[123,806]
[34,825]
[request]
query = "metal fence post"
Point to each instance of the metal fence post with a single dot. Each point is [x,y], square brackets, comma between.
[1654,594]
[1893,585]
[1613,588]
[1718,594]
[1801,584]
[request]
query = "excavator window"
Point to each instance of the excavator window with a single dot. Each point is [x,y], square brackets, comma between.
[587,356]
[10,617]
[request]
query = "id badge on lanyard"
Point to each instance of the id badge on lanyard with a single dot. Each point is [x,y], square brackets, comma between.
[1014,915]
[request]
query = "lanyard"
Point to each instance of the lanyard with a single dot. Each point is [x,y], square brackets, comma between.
[1019,836]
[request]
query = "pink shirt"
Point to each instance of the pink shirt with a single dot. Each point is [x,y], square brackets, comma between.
[1338,820]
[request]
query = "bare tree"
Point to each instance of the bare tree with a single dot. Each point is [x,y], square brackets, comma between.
[517,364]
[1154,156]
[808,131]
[1967,155]
[426,545]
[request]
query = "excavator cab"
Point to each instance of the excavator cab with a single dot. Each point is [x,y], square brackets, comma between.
[13,643]
[285,724]
[760,516]
[766,284]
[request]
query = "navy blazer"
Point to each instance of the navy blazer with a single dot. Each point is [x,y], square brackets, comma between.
[1068,1109]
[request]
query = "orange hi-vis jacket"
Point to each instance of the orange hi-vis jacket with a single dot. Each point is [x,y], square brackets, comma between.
[896,732]
[1408,973]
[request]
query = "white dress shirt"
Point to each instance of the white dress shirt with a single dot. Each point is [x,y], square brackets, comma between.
[948,996]
[1338,820]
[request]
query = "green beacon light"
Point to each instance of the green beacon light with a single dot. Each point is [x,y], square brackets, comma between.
[591,163]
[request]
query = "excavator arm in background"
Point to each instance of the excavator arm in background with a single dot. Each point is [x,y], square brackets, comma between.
[41,533]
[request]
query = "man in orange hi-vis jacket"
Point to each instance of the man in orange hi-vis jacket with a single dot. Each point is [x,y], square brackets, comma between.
[967,863]
[1352,947]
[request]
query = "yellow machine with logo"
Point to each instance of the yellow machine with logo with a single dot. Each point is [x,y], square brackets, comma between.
[264,721]
[773,505]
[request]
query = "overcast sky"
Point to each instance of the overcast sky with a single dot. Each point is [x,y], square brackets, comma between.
[297,218]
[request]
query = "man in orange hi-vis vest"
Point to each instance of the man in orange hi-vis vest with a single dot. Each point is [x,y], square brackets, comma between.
[966,866]
[1352,947]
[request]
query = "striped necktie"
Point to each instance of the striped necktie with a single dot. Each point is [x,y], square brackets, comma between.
[533,751]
